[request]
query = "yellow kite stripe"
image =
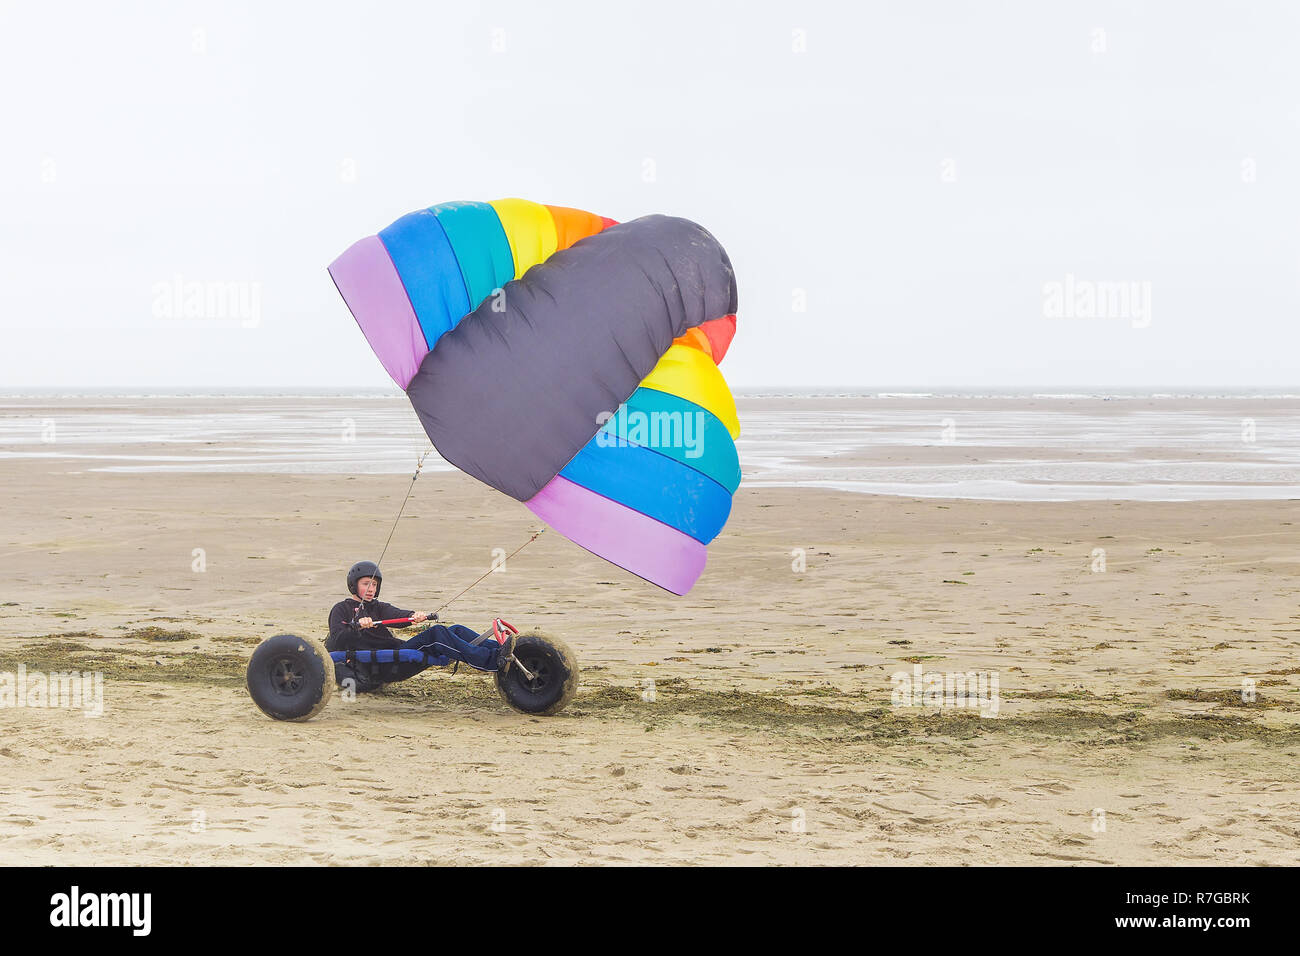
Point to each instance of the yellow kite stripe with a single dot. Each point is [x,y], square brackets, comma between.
[530,230]
[690,374]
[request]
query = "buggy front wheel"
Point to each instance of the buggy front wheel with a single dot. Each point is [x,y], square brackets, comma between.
[290,678]
[553,680]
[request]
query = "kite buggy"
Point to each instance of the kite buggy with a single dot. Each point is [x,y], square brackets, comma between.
[292,678]
[568,361]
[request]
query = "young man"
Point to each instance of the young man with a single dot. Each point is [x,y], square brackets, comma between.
[353,626]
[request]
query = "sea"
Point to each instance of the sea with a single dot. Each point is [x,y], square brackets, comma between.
[1015,445]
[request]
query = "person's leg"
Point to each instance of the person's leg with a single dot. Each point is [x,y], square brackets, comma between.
[467,634]
[456,642]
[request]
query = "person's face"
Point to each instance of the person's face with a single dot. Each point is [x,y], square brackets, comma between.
[366,588]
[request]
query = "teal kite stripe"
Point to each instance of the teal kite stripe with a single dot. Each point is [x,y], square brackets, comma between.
[479,242]
[681,430]
[653,484]
[429,272]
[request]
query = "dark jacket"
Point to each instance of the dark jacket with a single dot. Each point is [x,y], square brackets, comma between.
[345,635]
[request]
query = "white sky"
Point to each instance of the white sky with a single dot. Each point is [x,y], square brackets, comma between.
[214,141]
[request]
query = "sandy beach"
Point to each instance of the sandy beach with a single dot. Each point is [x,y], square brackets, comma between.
[1146,656]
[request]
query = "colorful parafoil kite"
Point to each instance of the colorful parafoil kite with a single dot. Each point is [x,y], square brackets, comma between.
[568,361]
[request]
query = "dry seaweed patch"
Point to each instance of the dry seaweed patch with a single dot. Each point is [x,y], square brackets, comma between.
[774,712]
[1075,694]
[155,633]
[445,689]
[64,647]
[833,716]
[128,664]
[1229,698]
[64,635]
[151,633]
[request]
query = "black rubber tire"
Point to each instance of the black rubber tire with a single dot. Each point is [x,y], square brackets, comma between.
[290,677]
[555,671]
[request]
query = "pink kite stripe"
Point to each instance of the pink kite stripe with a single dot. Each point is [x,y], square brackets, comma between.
[637,543]
[370,285]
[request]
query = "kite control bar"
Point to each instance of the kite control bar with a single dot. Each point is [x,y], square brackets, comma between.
[401,620]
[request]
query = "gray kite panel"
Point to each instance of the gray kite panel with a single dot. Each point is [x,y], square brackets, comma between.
[513,392]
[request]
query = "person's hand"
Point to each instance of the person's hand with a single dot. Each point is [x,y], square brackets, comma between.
[418,618]
[364,623]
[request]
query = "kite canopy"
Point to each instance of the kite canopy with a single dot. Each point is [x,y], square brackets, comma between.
[568,361]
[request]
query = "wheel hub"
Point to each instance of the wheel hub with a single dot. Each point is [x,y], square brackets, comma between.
[287,676]
[541,672]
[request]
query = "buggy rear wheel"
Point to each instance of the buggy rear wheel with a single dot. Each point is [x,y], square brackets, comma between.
[554,680]
[290,677]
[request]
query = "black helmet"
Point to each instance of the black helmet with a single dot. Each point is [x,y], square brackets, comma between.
[364,569]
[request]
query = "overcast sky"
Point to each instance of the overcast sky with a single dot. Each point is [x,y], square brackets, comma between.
[903,188]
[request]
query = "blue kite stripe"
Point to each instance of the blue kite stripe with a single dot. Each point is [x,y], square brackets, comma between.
[653,484]
[662,422]
[429,271]
[479,241]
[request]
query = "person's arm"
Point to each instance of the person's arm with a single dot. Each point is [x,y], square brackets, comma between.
[342,631]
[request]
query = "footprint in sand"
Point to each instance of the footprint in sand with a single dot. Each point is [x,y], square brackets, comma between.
[1050,786]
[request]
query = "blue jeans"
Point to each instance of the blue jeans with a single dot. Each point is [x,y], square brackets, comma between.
[454,642]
